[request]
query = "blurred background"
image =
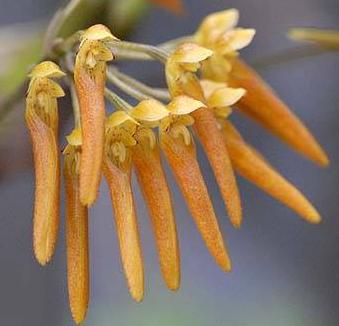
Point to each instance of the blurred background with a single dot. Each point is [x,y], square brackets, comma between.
[285,272]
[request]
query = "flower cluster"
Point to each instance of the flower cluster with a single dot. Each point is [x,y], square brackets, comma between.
[132,137]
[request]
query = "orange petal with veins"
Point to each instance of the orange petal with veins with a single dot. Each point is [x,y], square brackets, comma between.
[119,183]
[254,168]
[211,138]
[47,187]
[76,244]
[263,105]
[183,162]
[152,181]
[90,91]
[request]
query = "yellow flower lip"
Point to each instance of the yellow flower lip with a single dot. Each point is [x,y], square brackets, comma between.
[98,32]
[118,118]
[149,110]
[220,95]
[191,53]
[181,105]
[46,69]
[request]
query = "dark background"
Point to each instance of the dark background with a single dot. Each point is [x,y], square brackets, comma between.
[285,273]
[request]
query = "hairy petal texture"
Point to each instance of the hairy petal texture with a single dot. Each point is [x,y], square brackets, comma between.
[90,92]
[152,181]
[254,168]
[76,243]
[184,164]
[261,104]
[206,128]
[119,182]
[47,186]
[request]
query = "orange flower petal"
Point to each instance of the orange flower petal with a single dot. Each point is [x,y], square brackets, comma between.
[152,181]
[76,244]
[47,187]
[211,138]
[261,104]
[183,162]
[252,167]
[92,107]
[119,182]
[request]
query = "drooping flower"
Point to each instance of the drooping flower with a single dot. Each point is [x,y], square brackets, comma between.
[76,231]
[152,181]
[218,32]
[42,122]
[257,170]
[178,146]
[133,137]
[180,68]
[246,160]
[90,78]
[117,164]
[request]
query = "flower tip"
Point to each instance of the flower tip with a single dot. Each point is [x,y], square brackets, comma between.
[137,295]
[313,216]
[78,318]
[323,159]
[297,34]
[47,69]
[237,224]
[88,198]
[174,285]
[42,257]
[226,264]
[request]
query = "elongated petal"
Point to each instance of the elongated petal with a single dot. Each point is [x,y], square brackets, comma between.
[152,181]
[261,104]
[47,184]
[252,167]
[183,162]
[119,183]
[92,107]
[76,245]
[211,138]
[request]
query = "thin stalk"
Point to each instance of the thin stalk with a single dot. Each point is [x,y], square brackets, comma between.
[63,46]
[117,101]
[128,89]
[150,50]
[133,54]
[141,90]
[75,104]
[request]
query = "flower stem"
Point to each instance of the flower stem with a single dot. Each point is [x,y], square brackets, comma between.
[75,105]
[134,87]
[150,50]
[117,101]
